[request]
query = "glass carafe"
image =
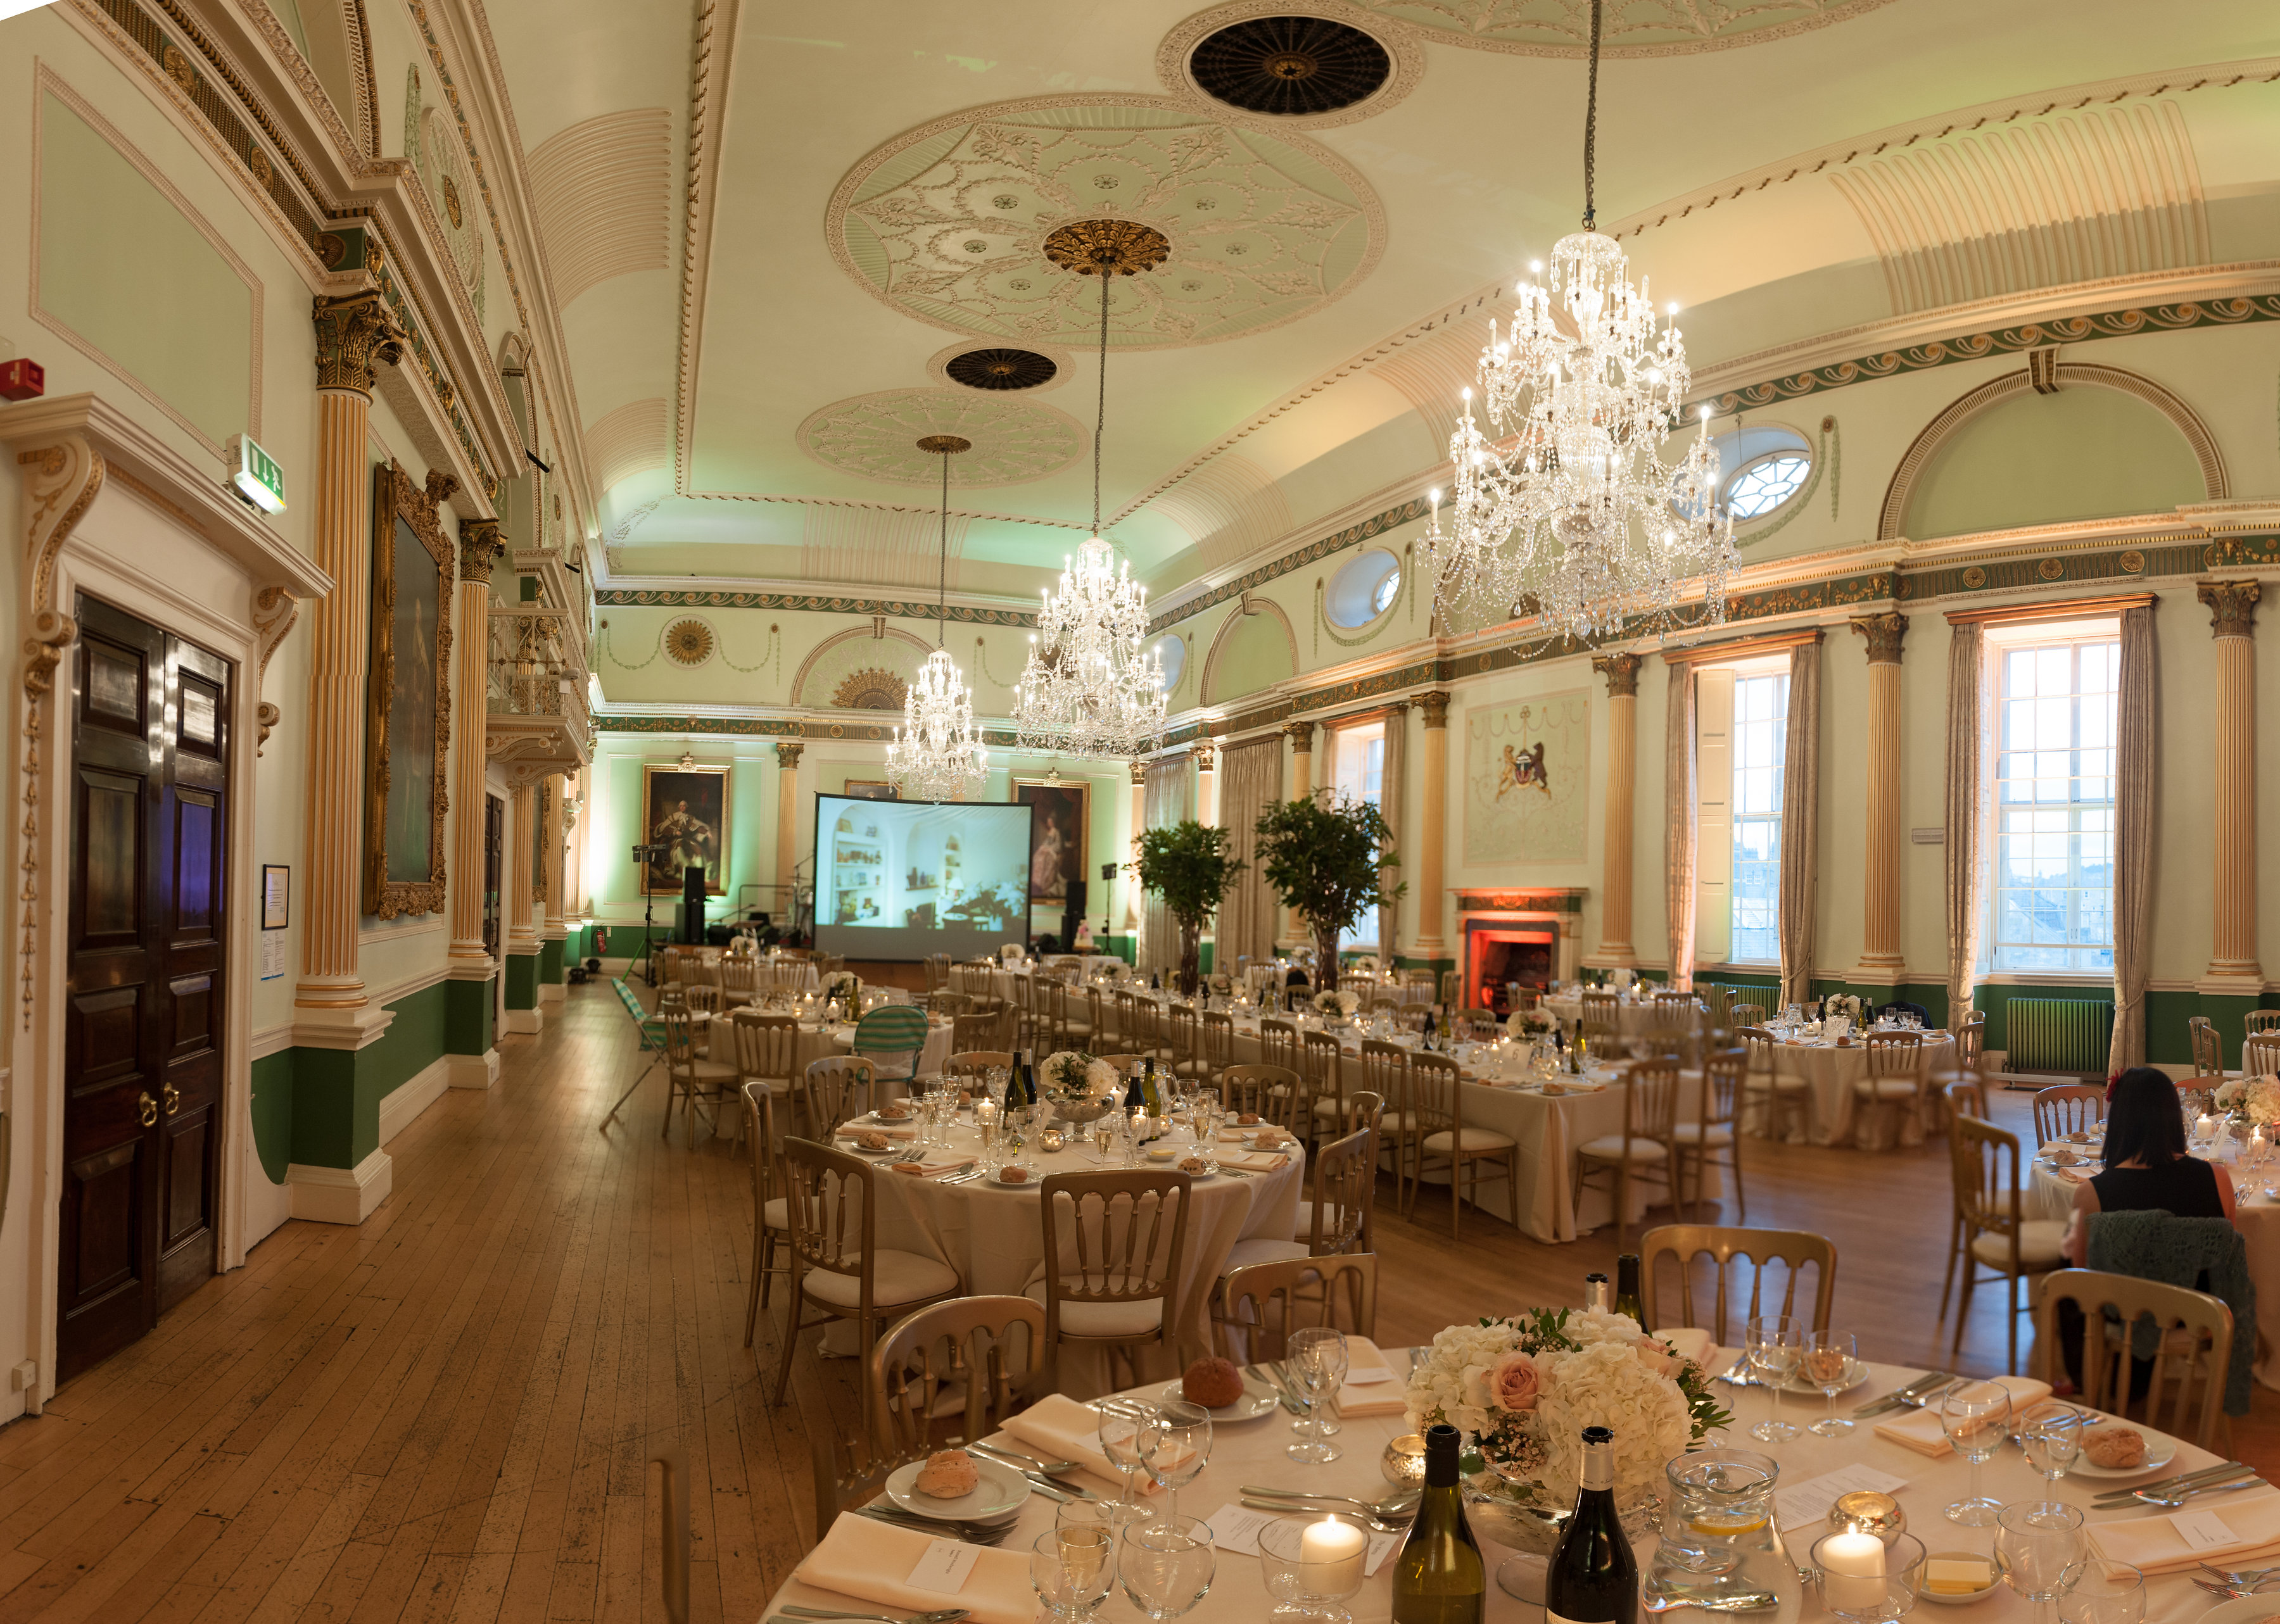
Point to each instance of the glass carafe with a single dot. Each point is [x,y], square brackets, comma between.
[1718,1539]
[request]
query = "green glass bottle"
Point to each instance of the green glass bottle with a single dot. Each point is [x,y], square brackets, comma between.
[1438,1576]
[1627,1287]
[1593,1577]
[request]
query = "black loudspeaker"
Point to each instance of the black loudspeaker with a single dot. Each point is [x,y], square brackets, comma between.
[692,903]
[1074,902]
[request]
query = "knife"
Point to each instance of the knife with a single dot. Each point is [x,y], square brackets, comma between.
[1274,1385]
[1911,1393]
[2178,1480]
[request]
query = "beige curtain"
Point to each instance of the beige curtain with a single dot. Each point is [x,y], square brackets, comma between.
[1800,831]
[1967,722]
[1678,826]
[2133,838]
[1396,756]
[1250,782]
[1163,803]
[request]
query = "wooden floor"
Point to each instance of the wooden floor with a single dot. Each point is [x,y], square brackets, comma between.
[445,1412]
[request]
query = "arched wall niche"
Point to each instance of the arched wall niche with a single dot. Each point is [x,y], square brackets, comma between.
[832,664]
[1244,650]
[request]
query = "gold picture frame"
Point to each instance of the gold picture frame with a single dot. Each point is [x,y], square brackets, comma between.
[686,808]
[408,695]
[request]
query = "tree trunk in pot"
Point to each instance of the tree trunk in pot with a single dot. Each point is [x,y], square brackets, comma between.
[1190,958]
[1326,960]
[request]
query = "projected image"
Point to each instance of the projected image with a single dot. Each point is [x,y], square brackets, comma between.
[899,881]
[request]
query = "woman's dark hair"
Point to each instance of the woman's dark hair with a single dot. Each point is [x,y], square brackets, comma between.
[2144,1120]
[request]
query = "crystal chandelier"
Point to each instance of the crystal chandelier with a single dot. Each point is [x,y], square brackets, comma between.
[937,753]
[1088,689]
[1563,507]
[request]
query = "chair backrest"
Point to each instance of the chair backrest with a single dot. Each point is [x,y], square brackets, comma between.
[1345,1186]
[1722,1244]
[679,1038]
[651,1029]
[2192,1336]
[1896,1054]
[1740,1015]
[1652,1087]
[1452,985]
[972,1032]
[2259,1054]
[1665,999]
[833,1089]
[960,1343]
[1434,1099]
[938,971]
[1971,1048]
[829,1201]
[1278,1045]
[947,1003]
[2208,1048]
[1115,1236]
[1722,1074]
[1602,1007]
[740,974]
[1320,1066]
[1217,1051]
[760,1127]
[1253,1088]
[2261,1020]
[891,1029]
[844,1473]
[2069,1109]
[1181,1029]
[1967,1096]
[970,1068]
[1986,1174]
[1274,1299]
[767,1046]
[1385,1073]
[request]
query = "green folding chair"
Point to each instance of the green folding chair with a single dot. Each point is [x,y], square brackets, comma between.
[651,1030]
[891,1037]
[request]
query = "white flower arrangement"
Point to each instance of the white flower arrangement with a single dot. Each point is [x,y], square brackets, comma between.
[1337,1005]
[1074,1074]
[1527,1023]
[1364,963]
[1522,1389]
[2258,1098]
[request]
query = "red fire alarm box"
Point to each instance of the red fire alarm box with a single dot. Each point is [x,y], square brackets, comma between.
[22,380]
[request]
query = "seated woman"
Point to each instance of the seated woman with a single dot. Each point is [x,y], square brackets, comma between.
[2147,1167]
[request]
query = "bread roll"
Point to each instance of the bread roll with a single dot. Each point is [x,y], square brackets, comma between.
[948,1474]
[2117,1447]
[1213,1384]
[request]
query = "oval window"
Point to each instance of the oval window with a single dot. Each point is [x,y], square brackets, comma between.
[1761,467]
[1364,589]
[1171,651]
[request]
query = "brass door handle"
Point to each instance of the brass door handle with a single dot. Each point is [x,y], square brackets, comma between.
[173,1099]
[146,1109]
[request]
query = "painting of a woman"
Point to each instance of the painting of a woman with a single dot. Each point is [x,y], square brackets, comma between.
[1057,837]
[1046,881]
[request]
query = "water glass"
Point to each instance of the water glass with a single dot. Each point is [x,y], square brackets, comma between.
[1127,1427]
[2104,1592]
[1828,1363]
[2039,1545]
[2051,1442]
[1071,1569]
[1976,1416]
[1166,1567]
[1317,1363]
[1774,1343]
[1179,1447]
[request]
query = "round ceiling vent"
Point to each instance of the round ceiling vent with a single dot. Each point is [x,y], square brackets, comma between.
[1289,66]
[1000,369]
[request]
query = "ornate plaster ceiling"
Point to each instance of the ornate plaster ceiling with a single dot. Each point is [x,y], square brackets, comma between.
[1632,28]
[876,435]
[947,222]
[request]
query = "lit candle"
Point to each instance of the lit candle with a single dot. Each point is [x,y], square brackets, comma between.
[1853,1573]
[2206,1128]
[1331,1556]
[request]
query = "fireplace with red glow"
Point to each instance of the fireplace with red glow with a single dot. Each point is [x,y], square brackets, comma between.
[1526,938]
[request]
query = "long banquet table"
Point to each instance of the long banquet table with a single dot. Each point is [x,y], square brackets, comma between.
[1251,1452]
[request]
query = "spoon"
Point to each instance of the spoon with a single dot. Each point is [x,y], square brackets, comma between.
[1394,1506]
[1382,1525]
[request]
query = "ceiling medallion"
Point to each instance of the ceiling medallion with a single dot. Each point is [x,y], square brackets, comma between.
[1107,248]
[1289,66]
[875,436]
[688,643]
[937,753]
[1000,369]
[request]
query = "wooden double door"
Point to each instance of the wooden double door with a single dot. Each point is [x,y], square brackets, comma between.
[146,991]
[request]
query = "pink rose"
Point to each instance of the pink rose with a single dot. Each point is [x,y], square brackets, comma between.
[1516,1382]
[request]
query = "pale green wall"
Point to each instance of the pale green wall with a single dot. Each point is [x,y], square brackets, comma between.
[1255,655]
[2082,453]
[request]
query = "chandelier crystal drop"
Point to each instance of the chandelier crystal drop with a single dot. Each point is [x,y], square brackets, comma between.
[937,753]
[1563,507]
[1089,688]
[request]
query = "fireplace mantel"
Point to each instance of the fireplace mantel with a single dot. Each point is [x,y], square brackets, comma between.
[1542,922]
[1519,899]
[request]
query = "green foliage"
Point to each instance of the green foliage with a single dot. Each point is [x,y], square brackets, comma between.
[1188,865]
[1328,859]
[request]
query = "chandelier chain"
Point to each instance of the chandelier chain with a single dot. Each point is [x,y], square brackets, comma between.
[942,580]
[1592,124]
[1100,407]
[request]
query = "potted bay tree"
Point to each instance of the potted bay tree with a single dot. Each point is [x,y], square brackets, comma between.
[1327,860]
[1189,865]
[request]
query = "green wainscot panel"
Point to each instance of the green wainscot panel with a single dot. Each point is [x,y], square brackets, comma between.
[336,1093]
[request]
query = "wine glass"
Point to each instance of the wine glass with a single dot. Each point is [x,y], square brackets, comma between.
[1181,1442]
[2104,1592]
[1125,1425]
[1166,1567]
[1976,1416]
[1828,1365]
[1317,1363]
[1774,1343]
[2038,1546]
[1071,1569]
[2051,1442]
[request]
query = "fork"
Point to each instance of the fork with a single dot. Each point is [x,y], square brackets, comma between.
[970,1533]
[2246,1577]
[2170,1502]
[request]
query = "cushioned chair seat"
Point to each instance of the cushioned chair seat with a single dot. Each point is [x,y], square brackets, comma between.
[1761,1082]
[1260,1248]
[1691,1133]
[1330,1109]
[896,1277]
[715,1071]
[1611,1147]
[1476,1139]
[777,1215]
[1885,1087]
[1078,1029]
[1137,1319]
[2038,1245]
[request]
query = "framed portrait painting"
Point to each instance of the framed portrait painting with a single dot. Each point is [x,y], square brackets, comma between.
[686,810]
[1057,836]
[408,695]
[872,790]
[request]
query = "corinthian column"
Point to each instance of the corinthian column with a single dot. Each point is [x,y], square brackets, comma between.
[1133,912]
[1433,817]
[1302,785]
[550,985]
[1206,782]
[1881,963]
[2233,964]
[355,334]
[468,1005]
[1622,672]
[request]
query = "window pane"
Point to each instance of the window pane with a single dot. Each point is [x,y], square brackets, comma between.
[2051,903]
[1760,745]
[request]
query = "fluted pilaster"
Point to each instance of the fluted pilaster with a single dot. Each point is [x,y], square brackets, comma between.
[1431,826]
[1622,672]
[2232,938]
[479,550]
[1881,960]
[787,833]
[521,876]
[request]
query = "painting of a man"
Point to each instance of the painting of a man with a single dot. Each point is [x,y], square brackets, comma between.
[687,812]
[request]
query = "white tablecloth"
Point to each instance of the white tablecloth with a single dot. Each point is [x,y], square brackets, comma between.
[1251,1452]
[1835,1115]
[814,1044]
[1631,1020]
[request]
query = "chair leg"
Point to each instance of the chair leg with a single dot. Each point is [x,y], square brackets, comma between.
[1963,1302]
[792,1328]
[1456,1190]
[1954,1251]
[2011,1314]
[754,1297]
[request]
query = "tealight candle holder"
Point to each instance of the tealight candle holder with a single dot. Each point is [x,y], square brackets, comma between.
[1052,1141]
[1865,1511]
[1867,1580]
[1403,1461]
[1313,1565]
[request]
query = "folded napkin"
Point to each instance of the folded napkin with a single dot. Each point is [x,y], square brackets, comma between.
[1058,1425]
[1920,1429]
[1570,1086]
[931,1169]
[877,1128]
[2153,1545]
[1252,1161]
[867,1559]
[2076,1175]
[1692,1343]
[1385,1395]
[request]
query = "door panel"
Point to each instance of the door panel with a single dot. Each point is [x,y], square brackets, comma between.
[146,988]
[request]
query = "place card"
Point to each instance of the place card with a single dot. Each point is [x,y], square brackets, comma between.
[1369,1375]
[942,1566]
[2204,1531]
[1235,1529]
[1810,1500]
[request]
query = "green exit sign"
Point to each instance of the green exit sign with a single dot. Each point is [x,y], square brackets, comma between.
[258,477]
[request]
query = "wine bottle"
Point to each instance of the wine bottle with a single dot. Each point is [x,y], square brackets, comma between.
[1438,1576]
[1149,1094]
[1134,1099]
[1595,1293]
[1627,1287]
[1593,1578]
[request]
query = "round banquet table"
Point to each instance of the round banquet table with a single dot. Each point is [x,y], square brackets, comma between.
[993,1235]
[1633,1019]
[1251,1452]
[1835,1116]
[816,1045]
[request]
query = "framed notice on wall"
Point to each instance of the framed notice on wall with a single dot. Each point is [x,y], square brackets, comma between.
[276,895]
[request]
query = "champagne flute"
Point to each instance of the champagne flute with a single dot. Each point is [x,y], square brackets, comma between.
[1125,1424]
[1071,1570]
[1976,1416]
[1829,1366]
[1181,1444]
[2038,1546]
[1774,1343]
[1166,1567]
[2051,1442]
[1317,1360]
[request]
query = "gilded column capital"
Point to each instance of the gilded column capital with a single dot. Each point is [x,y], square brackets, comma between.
[2232,606]
[1622,672]
[355,334]
[1204,754]
[1883,633]
[480,546]
[1436,710]
[1139,773]
[1302,736]
[787,757]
